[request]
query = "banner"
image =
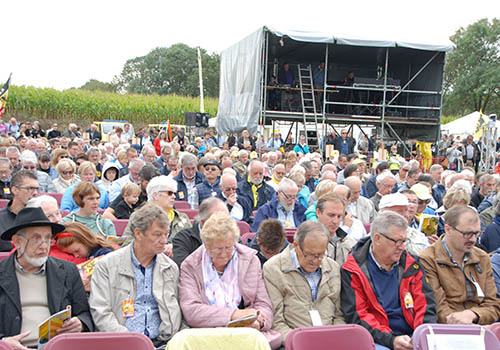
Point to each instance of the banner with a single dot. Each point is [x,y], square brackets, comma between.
[3,97]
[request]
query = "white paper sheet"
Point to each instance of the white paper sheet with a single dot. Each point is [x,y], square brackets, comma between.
[455,342]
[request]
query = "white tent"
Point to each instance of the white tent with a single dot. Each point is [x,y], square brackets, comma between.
[466,125]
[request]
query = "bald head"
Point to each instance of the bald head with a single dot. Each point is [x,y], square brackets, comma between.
[343,191]
[354,184]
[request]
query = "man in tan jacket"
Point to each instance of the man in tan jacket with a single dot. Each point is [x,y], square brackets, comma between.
[460,273]
[304,284]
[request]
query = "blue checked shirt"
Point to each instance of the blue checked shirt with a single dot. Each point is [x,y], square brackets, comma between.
[312,278]
[147,314]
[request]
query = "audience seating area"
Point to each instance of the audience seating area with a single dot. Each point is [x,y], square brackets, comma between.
[100,341]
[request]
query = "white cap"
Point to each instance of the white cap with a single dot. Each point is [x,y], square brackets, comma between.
[393,200]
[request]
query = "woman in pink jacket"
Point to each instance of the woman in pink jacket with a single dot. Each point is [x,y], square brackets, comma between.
[222,281]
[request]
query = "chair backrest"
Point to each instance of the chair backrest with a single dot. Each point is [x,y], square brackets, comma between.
[367,227]
[3,256]
[120,225]
[338,337]
[64,212]
[4,346]
[290,233]
[244,227]
[57,196]
[191,213]
[495,328]
[420,334]
[3,203]
[245,237]
[182,205]
[100,341]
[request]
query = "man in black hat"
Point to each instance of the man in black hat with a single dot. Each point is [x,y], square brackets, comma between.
[34,286]
[210,186]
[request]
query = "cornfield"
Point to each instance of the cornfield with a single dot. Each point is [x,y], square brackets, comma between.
[74,105]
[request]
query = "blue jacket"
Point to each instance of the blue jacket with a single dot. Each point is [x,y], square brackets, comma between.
[67,202]
[495,266]
[245,204]
[205,190]
[265,193]
[371,187]
[301,149]
[438,192]
[486,203]
[491,236]
[270,211]
[182,192]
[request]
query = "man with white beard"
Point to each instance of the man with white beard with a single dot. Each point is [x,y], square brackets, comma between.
[284,207]
[34,286]
[252,187]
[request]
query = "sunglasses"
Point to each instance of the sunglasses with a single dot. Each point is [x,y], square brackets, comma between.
[169,193]
[69,172]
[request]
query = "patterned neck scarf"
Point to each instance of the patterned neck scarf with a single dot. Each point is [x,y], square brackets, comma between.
[255,189]
[222,291]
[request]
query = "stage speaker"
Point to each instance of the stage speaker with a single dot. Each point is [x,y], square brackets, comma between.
[202,120]
[190,118]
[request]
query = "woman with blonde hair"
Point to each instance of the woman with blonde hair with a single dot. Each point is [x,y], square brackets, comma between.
[324,187]
[222,281]
[67,175]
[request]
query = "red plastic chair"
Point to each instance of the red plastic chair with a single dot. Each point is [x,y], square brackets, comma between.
[3,256]
[57,196]
[290,233]
[100,341]
[338,337]
[4,346]
[420,335]
[181,205]
[245,237]
[495,328]
[120,225]
[367,227]
[64,212]
[3,203]
[191,213]
[244,227]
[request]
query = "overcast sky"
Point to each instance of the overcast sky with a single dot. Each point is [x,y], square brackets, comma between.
[64,43]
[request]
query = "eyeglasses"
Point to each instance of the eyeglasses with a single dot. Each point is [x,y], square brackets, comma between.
[29,188]
[211,169]
[427,201]
[37,240]
[310,257]
[230,189]
[26,167]
[69,172]
[169,193]
[287,196]
[221,249]
[62,157]
[397,242]
[467,235]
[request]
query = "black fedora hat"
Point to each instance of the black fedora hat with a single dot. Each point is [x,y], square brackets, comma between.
[30,217]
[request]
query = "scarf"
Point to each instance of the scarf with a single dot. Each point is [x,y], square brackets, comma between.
[221,291]
[276,181]
[171,215]
[255,189]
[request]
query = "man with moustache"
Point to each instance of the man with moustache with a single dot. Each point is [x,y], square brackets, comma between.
[283,207]
[460,273]
[384,288]
[34,286]
[253,188]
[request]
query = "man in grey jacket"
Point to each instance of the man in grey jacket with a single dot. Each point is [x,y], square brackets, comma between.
[134,289]
[359,207]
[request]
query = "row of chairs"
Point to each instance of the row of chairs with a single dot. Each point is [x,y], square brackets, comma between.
[337,337]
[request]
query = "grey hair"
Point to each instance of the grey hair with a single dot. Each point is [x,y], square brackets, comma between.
[37,202]
[484,178]
[28,156]
[143,218]
[148,148]
[242,151]
[13,149]
[435,167]
[94,150]
[188,159]
[384,175]
[308,227]
[6,161]
[286,184]
[164,147]
[136,161]
[159,183]
[385,221]
[205,207]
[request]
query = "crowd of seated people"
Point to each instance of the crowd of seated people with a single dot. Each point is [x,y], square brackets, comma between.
[216,233]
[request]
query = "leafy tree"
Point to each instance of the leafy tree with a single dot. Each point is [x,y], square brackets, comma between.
[472,72]
[96,85]
[172,70]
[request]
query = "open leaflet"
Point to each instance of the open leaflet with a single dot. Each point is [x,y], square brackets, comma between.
[47,329]
[243,321]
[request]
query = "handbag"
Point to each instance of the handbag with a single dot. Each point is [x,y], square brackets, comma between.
[444,162]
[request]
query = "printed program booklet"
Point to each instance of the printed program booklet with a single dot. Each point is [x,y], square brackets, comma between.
[47,329]
[243,321]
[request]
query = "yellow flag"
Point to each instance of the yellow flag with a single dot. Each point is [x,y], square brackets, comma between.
[482,122]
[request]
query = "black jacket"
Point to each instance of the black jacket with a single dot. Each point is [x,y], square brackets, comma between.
[94,135]
[248,216]
[64,287]
[265,193]
[185,242]
[7,218]
[337,144]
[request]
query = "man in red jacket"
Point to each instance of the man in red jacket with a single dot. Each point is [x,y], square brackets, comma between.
[384,287]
